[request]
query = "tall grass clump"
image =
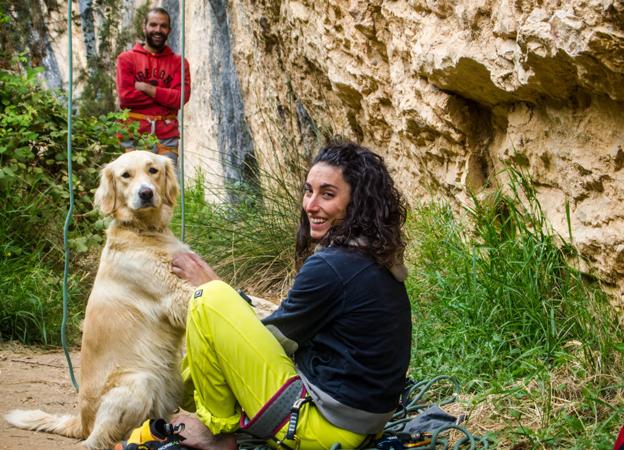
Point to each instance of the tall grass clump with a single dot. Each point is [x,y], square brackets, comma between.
[32,303]
[499,303]
[246,228]
[35,201]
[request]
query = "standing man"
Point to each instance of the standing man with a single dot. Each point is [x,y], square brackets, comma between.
[149,84]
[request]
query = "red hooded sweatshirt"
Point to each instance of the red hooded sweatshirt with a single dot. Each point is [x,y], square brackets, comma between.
[158,69]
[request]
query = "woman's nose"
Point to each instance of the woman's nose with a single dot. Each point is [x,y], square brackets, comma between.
[312,204]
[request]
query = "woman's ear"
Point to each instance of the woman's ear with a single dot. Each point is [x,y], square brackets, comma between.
[171,184]
[105,195]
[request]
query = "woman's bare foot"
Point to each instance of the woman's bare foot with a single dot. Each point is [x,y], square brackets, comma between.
[198,436]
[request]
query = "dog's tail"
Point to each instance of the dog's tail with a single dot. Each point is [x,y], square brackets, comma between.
[37,420]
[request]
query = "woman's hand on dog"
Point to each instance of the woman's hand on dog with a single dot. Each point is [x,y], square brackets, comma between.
[193,269]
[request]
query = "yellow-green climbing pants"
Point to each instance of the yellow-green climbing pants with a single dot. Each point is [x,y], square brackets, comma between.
[234,362]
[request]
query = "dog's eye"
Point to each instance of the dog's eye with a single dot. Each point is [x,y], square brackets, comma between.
[153,170]
[126,175]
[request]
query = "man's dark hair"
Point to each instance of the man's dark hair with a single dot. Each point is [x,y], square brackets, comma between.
[157,10]
[376,213]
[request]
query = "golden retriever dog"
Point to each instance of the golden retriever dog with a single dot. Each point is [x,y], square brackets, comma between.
[135,317]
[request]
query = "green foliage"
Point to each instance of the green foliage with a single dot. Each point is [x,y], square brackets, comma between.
[499,305]
[33,185]
[22,27]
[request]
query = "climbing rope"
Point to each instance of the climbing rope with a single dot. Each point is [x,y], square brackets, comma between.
[413,403]
[181,121]
[70,212]
[68,219]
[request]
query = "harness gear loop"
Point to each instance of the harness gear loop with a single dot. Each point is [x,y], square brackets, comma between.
[294,416]
[163,149]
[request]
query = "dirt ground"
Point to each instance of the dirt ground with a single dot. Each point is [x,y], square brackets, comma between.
[33,378]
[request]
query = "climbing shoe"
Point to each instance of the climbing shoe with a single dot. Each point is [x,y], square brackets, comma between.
[155,434]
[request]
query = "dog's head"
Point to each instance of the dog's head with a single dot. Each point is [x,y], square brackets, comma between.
[138,186]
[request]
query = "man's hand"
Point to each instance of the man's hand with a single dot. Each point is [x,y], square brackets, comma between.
[146,88]
[193,269]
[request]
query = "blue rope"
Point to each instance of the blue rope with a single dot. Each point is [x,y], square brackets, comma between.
[71,198]
[70,213]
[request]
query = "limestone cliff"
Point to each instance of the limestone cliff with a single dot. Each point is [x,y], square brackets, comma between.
[449,91]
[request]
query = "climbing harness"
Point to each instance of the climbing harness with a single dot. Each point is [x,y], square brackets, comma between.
[417,423]
[282,407]
[152,120]
[139,116]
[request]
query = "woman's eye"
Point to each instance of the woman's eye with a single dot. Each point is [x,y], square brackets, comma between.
[126,175]
[328,195]
[153,170]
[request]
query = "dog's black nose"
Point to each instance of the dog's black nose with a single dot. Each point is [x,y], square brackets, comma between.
[146,194]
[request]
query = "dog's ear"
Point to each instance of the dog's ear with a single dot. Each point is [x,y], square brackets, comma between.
[171,184]
[105,195]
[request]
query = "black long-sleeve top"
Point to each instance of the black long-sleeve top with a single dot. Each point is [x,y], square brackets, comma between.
[348,322]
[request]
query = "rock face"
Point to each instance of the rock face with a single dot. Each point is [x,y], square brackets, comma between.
[449,91]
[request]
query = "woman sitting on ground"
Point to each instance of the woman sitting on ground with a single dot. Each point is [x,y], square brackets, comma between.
[344,328]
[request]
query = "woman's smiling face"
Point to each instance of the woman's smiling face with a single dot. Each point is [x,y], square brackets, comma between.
[326,197]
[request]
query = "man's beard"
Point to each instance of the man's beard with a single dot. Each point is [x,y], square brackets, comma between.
[155,44]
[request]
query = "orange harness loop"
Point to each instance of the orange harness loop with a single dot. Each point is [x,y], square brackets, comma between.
[139,116]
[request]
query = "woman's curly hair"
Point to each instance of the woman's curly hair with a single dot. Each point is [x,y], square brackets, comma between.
[375,215]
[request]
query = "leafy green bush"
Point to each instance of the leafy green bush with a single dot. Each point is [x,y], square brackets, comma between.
[33,186]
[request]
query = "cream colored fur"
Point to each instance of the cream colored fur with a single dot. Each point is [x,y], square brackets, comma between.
[135,317]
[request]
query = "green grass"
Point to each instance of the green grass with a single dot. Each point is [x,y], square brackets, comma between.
[32,304]
[247,231]
[498,304]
